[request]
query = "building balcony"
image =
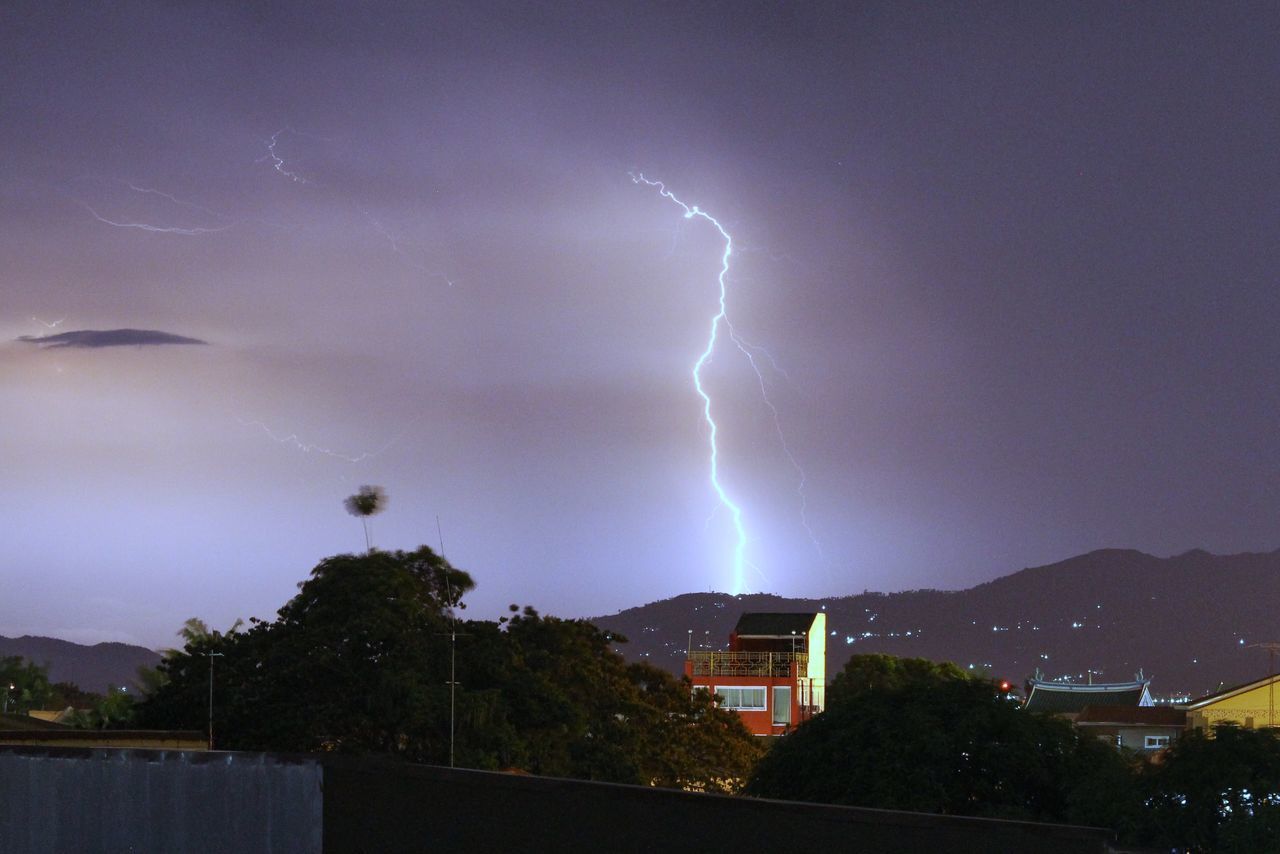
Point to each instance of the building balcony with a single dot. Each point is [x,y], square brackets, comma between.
[778,665]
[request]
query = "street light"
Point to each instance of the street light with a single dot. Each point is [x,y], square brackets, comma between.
[212,656]
[6,697]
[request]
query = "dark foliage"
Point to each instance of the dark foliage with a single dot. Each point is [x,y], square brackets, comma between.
[915,735]
[1218,792]
[359,661]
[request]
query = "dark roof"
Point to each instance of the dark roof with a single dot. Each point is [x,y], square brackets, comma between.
[1133,715]
[1065,698]
[772,625]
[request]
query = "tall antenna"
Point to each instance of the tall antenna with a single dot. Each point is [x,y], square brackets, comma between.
[1272,647]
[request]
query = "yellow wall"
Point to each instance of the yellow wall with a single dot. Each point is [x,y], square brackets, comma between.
[1249,708]
[817,671]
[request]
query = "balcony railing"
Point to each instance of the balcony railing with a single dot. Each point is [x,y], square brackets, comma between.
[774,664]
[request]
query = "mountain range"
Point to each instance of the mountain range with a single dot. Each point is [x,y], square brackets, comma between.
[1189,623]
[93,668]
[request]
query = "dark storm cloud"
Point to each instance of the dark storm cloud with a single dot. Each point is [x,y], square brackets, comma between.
[96,338]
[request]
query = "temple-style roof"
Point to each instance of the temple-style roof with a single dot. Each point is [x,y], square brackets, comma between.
[773,625]
[1068,698]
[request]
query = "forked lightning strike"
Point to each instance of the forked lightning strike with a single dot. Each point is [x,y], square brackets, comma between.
[721,316]
[749,350]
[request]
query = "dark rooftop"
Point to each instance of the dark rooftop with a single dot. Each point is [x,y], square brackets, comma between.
[1062,698]
[771,625]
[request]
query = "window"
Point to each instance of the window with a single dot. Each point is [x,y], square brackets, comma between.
[748,698]
[1152,742]
[782,704]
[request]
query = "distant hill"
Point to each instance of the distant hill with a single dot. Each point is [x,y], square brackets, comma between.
[1186,621]
[93,668]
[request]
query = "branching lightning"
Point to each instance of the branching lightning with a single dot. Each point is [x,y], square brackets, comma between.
[749,350]
[721,316]
[294,441]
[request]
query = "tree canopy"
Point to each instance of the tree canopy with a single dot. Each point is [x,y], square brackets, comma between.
[358,661]
[1216,791]
[917,735]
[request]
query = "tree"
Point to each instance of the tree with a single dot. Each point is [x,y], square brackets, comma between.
[368,501]
[1216,791]
[24,685]
[358,662]
[353,662]
[915,735]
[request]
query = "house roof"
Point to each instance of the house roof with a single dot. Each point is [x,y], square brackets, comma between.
[773,625]
[1067,698]
[1209,699]
[18,722]
[1133,716]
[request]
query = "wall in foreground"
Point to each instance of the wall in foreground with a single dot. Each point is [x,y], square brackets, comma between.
[109,800]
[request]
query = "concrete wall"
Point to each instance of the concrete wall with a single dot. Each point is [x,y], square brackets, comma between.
[108,800]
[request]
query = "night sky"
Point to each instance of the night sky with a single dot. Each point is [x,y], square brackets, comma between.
[1008,273]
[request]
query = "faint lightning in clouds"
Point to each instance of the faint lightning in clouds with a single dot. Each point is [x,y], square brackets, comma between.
[395,241]
[294,441]
[157,229]
[47,325]
[721,316]
[277,162]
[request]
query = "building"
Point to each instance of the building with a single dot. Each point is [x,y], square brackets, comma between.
[774,673]
[1069,699]
[1141,728]
[1250,705]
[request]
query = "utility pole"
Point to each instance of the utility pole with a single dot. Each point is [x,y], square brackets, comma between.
[212,656]
[453,648]
[1272,647]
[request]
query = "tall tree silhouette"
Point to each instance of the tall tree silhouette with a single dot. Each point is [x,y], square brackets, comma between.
[364,504]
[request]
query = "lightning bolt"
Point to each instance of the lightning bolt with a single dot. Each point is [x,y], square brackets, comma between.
[54,325]
[721,317]
[307,448]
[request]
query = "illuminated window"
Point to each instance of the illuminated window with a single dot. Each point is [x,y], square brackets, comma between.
[1152,742]
[782,704]
[748,698]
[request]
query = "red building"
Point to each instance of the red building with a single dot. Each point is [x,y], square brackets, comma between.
[774,673]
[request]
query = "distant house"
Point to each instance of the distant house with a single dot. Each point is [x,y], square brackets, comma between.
[774,672]
[1141,728]
[1069,699]
[1250,705]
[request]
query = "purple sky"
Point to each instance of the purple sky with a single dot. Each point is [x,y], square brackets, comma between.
[1015,266]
